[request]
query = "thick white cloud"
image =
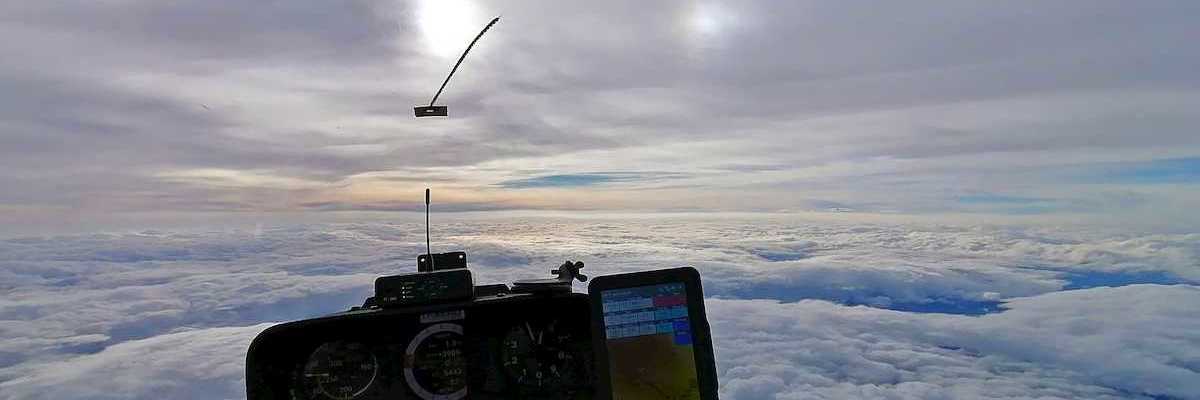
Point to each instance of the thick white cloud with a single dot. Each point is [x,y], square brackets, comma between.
[191,364]
[141,303]
[1092,343]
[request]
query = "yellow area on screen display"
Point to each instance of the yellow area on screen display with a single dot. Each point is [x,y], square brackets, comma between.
[652,367]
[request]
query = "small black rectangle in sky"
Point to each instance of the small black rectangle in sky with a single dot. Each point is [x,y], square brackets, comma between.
[430,111]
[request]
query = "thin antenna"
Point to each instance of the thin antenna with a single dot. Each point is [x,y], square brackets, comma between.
[428,248]
[460,59]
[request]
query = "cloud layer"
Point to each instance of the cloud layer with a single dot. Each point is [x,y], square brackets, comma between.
[800,308]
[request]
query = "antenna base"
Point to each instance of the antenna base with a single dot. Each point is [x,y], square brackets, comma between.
[442,261]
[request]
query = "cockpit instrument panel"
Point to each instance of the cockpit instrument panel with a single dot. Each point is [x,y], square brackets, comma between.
[505,346]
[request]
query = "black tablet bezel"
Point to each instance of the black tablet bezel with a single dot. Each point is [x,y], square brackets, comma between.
[706,369]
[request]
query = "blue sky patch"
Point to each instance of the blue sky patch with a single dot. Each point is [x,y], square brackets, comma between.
[988,198]
[566,180]
[1015,205]
[1172,170]
[581,180]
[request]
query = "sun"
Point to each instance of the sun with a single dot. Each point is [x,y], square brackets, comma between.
[448,25]
[709,20]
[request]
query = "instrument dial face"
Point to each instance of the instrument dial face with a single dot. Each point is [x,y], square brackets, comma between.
[537,356]
[339,370]
[434,364]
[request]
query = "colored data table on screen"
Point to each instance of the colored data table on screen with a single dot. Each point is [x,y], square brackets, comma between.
[647,310]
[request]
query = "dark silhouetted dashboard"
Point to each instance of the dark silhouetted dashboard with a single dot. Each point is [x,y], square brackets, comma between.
[499,347]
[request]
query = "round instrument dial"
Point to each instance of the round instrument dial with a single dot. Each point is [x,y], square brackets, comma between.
[539,357]
[339,370]
[434,364]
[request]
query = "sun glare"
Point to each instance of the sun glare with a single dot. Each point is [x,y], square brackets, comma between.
[448,25]
[710,19]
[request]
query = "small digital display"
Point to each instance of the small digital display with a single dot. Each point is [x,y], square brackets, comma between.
[649,340]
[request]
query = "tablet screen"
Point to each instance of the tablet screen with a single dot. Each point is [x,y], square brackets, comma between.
[649,340]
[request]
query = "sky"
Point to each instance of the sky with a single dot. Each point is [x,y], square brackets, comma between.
[885,200]
[1020,110]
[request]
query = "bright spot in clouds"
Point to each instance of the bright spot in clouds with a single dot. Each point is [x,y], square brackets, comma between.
[711,19]
[448,25]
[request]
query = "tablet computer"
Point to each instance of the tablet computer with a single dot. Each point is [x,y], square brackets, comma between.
[651,337]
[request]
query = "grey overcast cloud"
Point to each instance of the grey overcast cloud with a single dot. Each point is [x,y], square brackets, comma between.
[1067,111]
[887,200]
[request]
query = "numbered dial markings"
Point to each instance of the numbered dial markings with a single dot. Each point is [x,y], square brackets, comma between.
[339,370]
[537,356]
[435,366]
